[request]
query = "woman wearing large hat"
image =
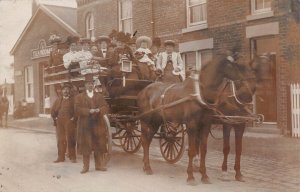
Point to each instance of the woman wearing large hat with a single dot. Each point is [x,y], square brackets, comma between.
[170,63]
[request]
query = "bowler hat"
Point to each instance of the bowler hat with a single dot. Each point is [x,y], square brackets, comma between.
[67,84]
[170,42]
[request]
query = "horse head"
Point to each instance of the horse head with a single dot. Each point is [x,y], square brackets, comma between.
[249,77]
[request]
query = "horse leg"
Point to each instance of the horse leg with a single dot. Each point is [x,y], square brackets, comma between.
[226,149]
[146,138]
[191,154]
[239,131]
[203,150]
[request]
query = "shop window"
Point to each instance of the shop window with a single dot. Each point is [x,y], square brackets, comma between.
[125,16]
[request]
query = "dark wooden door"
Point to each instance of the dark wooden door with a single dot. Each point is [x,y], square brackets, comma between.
[266,99]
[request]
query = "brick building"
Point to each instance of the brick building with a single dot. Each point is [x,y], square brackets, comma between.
[31,52]
[203,28]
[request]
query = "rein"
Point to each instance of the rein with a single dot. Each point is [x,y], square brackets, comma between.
[234,95]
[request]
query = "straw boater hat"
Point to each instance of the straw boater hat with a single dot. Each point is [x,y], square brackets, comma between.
[54,39]
[103,38]
[67,84]
[84,40]
[169,42]
[143,39]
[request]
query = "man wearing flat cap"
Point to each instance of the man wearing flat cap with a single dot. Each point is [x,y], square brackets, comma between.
[171,64]
[90,108]
[63,115]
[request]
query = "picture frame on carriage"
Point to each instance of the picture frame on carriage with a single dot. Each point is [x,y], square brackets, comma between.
[126,66]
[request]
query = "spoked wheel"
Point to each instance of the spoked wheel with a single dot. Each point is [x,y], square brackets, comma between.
[108,138]
[131,137]
[172,142]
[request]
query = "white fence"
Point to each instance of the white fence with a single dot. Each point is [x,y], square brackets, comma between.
[295,107]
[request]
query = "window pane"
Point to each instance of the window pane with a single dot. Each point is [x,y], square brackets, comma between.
[196,2]
[259,4]
[127,26]
[267,4]
[126,9]
[262,4]
[190,61]
[28,90]
[206,57]
[198,13]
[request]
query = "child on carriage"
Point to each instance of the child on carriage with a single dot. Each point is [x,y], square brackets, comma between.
[143,53]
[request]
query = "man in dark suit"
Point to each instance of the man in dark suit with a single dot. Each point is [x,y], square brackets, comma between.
[90,108]
[102,43]
[62,113]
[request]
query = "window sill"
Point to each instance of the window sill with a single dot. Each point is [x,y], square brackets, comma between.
[194,28]
[30,100]
[256,16]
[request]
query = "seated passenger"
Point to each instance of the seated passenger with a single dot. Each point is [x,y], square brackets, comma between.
[85,56]
[143,53]
[170,63]
[71,59]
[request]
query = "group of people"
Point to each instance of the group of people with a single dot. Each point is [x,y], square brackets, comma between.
[80,127]
[107,51]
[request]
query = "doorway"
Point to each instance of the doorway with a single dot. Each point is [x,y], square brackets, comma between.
[266,100]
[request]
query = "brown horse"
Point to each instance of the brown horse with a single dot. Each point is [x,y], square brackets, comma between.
[192,111]
[237,104]
[4,105]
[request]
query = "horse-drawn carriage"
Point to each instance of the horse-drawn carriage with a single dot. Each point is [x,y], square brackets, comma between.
[142,109]
[121,90]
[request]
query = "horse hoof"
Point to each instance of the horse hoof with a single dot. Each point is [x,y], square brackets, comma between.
[191,181]
[205,180]
[148,171]
[239,178]
[224,176]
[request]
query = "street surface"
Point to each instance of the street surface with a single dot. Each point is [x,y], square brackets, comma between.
[269,163]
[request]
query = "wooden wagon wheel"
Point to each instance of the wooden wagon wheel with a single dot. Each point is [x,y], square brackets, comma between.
[131,137]
[172,141]
[108,138]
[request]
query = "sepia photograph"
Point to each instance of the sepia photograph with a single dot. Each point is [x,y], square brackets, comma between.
[149,95]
